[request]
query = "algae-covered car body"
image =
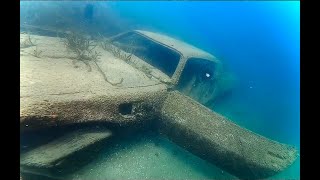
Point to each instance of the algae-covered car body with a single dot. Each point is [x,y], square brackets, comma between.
[52,89]
[140,77]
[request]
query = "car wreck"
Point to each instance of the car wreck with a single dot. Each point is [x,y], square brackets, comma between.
[132,81]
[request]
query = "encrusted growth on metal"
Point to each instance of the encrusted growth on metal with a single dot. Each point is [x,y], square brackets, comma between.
[218,140]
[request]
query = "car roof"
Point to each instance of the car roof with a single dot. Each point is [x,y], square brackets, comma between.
[185,49]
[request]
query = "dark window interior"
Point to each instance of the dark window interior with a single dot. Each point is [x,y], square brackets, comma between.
[200,69]
[197,80]
[161,57]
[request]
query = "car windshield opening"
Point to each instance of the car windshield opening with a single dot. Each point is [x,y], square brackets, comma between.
[155,54]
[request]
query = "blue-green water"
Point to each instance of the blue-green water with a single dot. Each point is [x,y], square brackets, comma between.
[258,41]
[149,156]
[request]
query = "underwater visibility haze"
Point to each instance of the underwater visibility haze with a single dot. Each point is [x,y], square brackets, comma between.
[190,73]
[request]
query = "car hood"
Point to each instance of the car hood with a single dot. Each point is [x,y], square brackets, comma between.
[57,71]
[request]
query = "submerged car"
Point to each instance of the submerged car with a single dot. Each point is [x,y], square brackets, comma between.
[127,83]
